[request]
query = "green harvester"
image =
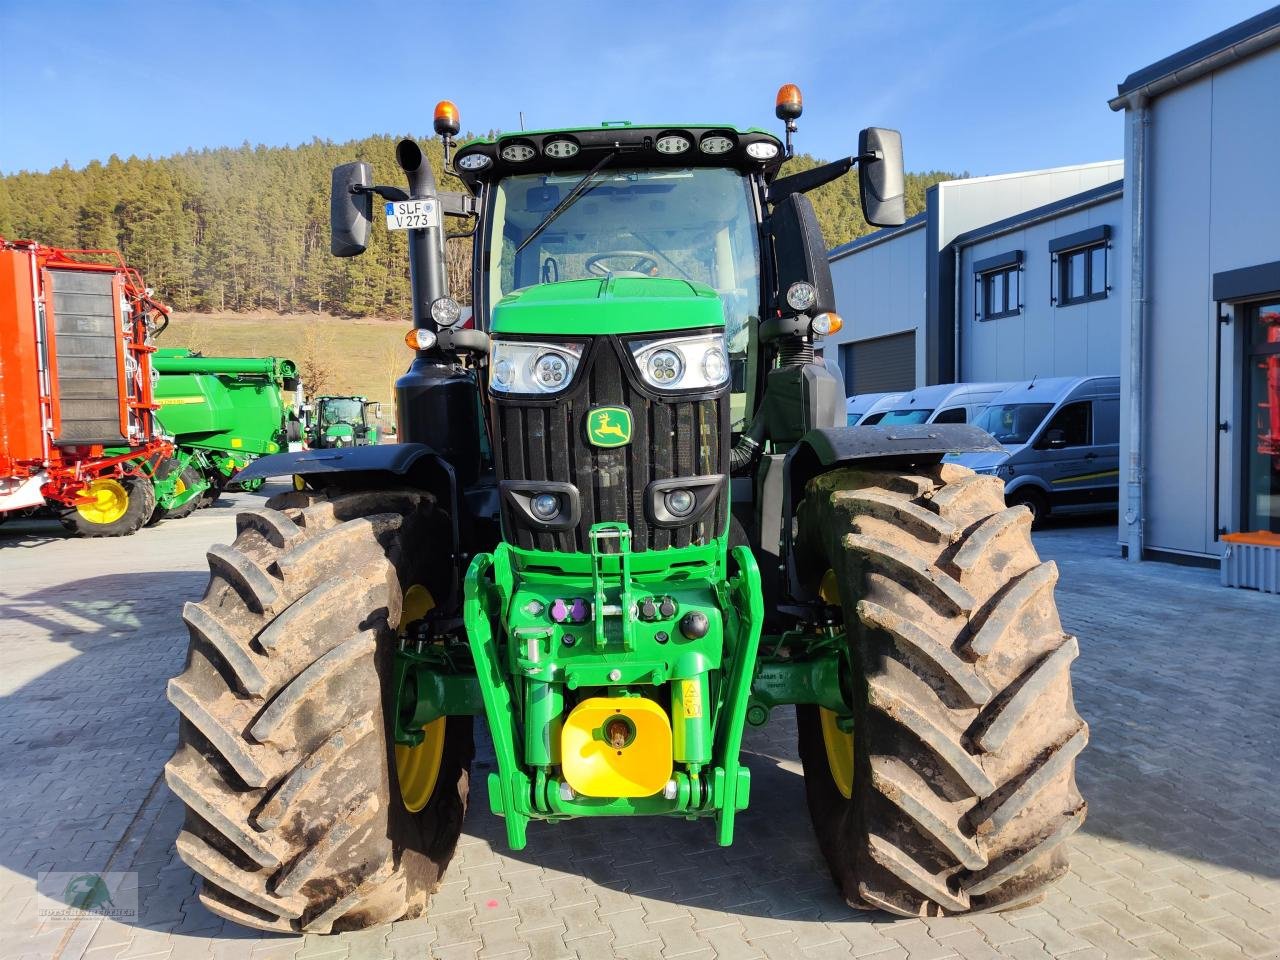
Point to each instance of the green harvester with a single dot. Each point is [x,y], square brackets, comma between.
[222,413]
[624,522]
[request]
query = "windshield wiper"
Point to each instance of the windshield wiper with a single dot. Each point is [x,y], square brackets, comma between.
[570,198]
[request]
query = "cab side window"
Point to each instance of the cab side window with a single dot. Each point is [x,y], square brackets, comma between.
[1070,427]
[954,415]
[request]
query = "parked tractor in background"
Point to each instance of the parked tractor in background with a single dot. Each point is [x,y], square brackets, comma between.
[78,433]
[342,422]
[575,540]
[223,413]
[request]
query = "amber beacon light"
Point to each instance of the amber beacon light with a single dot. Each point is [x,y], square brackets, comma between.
[789,105]
[446,119]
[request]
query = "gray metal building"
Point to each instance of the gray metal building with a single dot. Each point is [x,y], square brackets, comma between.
[1200,357]
[1036,294]
[907,293]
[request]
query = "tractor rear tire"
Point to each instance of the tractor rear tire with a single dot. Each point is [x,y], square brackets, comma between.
[134,501]
[190,478]
[960,788]
[294,818]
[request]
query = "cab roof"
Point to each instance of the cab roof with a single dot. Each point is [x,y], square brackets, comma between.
[637,145]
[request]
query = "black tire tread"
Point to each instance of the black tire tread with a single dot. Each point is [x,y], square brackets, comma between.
[283,761]
[965,731]
[142,504]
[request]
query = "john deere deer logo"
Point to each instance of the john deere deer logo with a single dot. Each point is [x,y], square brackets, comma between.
[609,426]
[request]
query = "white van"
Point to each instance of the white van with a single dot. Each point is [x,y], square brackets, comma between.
[1061,439]
[857,407]
[942,403]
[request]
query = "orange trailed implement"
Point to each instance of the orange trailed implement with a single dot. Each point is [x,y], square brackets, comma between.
[77,426]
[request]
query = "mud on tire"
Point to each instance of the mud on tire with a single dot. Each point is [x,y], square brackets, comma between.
[293,813]
[965,733]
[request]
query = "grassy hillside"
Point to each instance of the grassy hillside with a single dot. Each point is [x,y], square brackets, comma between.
[338,355]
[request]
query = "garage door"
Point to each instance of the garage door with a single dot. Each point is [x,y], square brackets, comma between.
[881,365]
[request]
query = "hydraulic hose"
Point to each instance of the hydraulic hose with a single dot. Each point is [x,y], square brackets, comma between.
[747,449]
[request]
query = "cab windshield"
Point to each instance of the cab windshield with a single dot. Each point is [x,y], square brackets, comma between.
[904,416]
[1013,423]
[696,223]
[342,411]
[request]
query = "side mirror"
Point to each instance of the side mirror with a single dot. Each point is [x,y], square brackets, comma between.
[800,253]
[880,178]
[350,214]
[377,410]
[1053,440]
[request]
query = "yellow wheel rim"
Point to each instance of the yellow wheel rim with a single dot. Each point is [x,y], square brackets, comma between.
[418,768]
[110,501]
[179,488]
[838,743]
[300,484]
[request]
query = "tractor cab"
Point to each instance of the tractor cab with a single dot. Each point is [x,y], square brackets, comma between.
[342,422]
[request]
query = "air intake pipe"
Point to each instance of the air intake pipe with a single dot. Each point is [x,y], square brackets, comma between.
[427,278]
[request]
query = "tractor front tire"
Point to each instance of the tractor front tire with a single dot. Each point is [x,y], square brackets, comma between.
[955,790]
[285,762]
[122,507]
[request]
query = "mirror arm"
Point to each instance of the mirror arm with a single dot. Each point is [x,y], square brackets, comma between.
[458,204]
[386,193]
[808,180]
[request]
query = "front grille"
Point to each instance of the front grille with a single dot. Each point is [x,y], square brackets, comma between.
[676,437]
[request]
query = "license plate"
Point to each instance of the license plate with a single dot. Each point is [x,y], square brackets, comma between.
[412,214]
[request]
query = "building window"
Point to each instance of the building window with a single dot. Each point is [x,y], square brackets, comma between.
[1082,274]
[997,290]
[1000,294]
[1262,390]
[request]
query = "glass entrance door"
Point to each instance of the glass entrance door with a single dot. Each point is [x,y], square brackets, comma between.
[1262,416]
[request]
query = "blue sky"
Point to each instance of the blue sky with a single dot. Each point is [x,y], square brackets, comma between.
[984,86]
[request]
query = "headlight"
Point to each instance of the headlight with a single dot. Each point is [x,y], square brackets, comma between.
[445,311]
[683,363]
[762,150]
[523,366]
[801,295]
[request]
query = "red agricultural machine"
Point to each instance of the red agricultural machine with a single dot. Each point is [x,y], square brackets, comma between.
[77,427]
[1269,438]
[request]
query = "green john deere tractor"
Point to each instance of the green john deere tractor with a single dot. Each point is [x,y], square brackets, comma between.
[625,521]
[342,422]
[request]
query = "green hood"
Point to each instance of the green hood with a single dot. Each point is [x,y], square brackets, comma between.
[611,305]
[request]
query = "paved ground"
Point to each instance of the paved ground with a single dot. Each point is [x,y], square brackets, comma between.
[1178,678]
